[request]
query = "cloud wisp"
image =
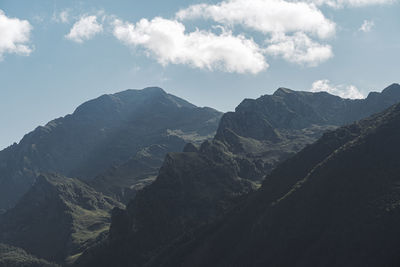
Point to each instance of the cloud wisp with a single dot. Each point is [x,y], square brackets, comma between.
[84,29]
[168,42]
[351,3]
[63,16]
[14,36]
[367,26]
[344,91]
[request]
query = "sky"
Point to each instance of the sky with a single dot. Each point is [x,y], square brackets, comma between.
[57,54]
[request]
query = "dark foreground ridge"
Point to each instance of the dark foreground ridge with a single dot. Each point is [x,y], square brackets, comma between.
[57,218]
[16,257]
[336,203]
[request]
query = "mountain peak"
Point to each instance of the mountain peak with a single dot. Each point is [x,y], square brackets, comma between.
[391,89]
[154,89]
[283,91]
[147,91]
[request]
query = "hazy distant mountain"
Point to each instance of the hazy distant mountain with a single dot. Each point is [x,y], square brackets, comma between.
[202,183]
[57,218]
[123,181]
[101,134]
[336,203]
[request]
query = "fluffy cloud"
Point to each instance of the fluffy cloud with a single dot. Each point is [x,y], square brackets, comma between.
[298,48]
[287,25]
[167,41]
[343,91]
[14,36]
[367,26]
[84,29]
[266,16]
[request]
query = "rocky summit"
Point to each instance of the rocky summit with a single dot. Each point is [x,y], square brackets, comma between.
[103,134]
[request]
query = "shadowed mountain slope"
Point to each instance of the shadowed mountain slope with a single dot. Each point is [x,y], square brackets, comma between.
[123,181]
[58,217]
[16,257]
[199,185]
[175,204]
[102,133]
[336,203]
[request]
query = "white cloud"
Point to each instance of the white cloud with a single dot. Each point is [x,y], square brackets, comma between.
[298,48]
[367,26]
[266,16]
[84,29]
[349,91]
[351,3]
[14,36]
[167,41]
[287,24]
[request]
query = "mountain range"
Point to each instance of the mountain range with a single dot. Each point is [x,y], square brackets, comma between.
[103,134]
[336,203]
[205,184]
[151,186]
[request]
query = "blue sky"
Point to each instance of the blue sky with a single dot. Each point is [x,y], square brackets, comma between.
[56,54]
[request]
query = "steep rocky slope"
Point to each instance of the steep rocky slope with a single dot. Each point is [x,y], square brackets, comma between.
[101,134]
[57,218]
[123,181]
[269,129]
[174,205]
[199,185]
[336,203]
